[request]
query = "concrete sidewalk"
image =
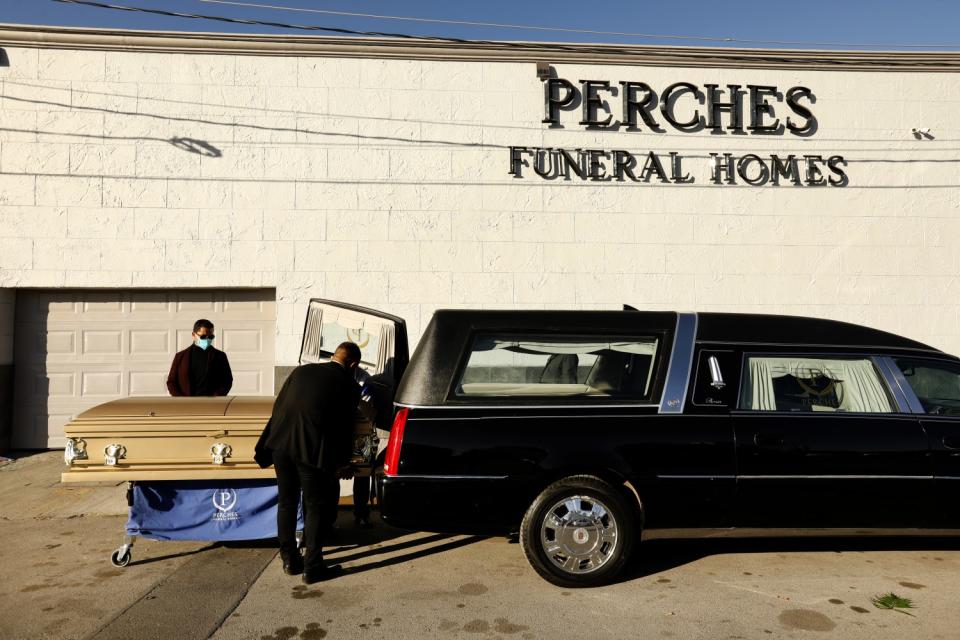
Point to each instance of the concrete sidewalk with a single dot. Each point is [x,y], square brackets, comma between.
[58,580]
[59,583]
[433,586]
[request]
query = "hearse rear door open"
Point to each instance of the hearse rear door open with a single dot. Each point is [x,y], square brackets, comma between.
[382,337]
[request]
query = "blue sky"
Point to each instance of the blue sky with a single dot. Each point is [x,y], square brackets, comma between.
[891,23]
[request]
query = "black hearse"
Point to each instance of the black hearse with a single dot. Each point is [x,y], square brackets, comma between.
[583,430]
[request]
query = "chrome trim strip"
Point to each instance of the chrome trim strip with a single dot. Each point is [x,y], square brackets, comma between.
[796,477]
[696,477]
[913,403]
[834,477]
[526,406]
[875,415]
[525,417]
[868,348]
[681,361]
[775,532]
[404,476]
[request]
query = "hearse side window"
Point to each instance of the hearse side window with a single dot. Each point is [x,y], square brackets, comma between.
[798,383]
[561,366]
[937,384]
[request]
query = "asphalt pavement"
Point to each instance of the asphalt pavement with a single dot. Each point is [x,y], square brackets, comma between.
[59,583]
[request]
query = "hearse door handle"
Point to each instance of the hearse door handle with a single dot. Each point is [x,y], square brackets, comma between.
[772,441]
[951,443]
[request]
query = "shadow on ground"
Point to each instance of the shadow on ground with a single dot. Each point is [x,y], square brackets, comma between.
[656,556]
[345,537]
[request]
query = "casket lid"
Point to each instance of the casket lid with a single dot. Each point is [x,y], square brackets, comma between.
[251,406]
[159,407]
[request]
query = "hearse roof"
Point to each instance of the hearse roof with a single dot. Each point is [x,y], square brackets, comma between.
[755,328]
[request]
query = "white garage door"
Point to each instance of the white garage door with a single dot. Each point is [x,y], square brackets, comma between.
[78,348]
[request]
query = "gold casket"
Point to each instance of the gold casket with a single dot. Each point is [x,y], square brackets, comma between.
[183,439]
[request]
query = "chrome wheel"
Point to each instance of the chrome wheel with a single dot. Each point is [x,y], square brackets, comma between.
[579,534]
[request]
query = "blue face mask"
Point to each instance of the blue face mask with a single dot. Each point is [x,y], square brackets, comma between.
[203,343]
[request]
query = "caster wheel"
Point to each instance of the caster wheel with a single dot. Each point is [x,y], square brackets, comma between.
[118,560]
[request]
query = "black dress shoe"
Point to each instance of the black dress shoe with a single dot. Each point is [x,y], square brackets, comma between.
[319,575]
[362,523]
[292,563]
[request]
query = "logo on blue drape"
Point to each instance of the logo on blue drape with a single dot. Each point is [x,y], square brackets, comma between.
[225,500]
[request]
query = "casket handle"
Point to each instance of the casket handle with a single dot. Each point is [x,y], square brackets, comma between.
[220,451]
[112,453]
[75,449]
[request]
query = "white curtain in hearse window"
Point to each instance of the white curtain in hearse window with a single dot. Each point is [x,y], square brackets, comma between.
[813,384]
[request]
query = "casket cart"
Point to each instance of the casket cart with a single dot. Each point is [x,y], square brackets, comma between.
[175,451]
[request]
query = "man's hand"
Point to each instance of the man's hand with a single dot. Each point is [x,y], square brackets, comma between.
[345,472]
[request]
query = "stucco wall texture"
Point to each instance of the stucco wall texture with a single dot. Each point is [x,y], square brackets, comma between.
[384,183]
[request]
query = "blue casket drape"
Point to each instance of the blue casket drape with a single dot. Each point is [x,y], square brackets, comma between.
[205,510]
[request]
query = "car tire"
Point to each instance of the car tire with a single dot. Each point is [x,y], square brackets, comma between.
[580,532]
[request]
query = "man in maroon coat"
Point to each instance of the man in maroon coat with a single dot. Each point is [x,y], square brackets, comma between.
[200,369]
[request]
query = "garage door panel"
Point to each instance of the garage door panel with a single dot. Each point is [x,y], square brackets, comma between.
[196,303]
[246,382]
[101,383]
[184,338]
[56,386]
[148,383]
[105,302]
[143,302]
[251,306]
[150,342]
[78,348]
[63,305]
[241,341]
[51,426]
[98,342]
[55,343]
[43,427]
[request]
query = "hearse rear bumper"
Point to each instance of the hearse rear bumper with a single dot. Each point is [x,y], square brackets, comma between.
[453,504]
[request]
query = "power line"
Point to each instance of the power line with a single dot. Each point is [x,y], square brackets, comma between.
[579,48]
[263,23]
[469,23]
[528,27]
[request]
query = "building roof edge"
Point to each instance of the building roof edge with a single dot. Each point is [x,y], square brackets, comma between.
[13,35]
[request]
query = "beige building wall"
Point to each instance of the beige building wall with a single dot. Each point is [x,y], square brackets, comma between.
[384,183]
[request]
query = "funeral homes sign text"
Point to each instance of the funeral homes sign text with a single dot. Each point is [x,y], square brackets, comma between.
[745,110]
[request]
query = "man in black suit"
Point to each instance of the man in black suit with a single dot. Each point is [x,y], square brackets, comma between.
[200,369]
[309,439]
